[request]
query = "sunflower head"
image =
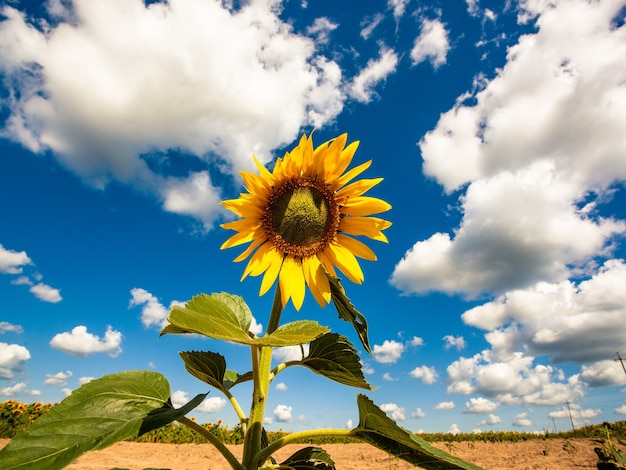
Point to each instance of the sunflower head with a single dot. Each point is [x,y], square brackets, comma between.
[300,220]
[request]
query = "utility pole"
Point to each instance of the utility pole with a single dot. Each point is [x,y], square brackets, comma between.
[619,358]
[570,415]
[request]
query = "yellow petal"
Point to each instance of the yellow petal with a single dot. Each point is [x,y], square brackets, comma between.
[363,205]
[316,279]
[248,251]
[271,273]
[238,239]
[264,172]
[259,262]
[357,188]
[350,175]
[370,227]
[356,247]
[345,261]
[291,281]
[344,160]
[255,184]
[333,157]
[327,262]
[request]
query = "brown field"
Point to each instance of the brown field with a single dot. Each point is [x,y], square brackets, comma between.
[551,454]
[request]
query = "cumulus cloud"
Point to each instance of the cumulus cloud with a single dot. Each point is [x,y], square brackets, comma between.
[282,413]
[568,321]
[6,327]
[603,373]
[59,379]
[13,390]
[444,405]
[388,352]
[427,374]
[212,405]
[79,342]
[290,353]
[376,70]
[512,379]
[12,359]
[153,312]
[46,293]
[432,43]
[418,413]
[415,342]
[480,405]
[490,421]
[522,420]
[398,7]
[531,154]
[456,342]
[579,415]
[12,262]
[369,24]
[321,29]
[394,411]
[168,85]
[621,410]
[281,386]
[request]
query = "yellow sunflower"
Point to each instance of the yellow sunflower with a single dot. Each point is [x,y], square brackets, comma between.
[298,220]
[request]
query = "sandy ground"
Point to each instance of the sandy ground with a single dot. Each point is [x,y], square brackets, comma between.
[551,454]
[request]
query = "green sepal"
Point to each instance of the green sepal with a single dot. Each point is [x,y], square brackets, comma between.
[167,413]
[309,458]
[348,312]
[224,317]
[94,416]
[210,368]
[377,429]
[334,357]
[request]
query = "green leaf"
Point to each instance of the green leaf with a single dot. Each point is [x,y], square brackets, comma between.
[212,316]
[347,312]
[376,428]
[293,334]
[232,378]
[238,306]
[166,414]
[96,415]
[334,357]
[310,457]
[210,368]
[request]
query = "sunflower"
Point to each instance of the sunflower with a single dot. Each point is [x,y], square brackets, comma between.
[300,220]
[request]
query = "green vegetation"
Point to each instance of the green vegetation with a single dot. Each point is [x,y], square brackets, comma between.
[15,416]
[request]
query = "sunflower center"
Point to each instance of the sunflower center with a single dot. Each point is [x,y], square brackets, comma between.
[302,217]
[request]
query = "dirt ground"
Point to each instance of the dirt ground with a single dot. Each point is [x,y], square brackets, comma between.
[551,454]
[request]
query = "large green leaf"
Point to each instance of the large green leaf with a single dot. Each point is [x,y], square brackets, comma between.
[238,306]
[214,317]
[96,415]
[310,458]
[348,312]
[334,357]
[376,428]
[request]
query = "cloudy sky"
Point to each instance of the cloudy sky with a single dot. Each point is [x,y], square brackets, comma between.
[498,130]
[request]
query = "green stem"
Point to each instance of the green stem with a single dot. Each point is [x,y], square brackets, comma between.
[300,436]
[261,373]
[220,446]
[235,404]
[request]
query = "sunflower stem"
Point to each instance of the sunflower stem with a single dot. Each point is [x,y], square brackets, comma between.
[300,437]
[261,376]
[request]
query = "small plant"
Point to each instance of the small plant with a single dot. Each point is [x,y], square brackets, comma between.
[609,457]
[299,223]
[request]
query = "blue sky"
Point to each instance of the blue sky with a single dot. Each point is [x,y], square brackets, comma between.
[499,132]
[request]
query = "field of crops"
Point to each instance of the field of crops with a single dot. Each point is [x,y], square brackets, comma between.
[15,416]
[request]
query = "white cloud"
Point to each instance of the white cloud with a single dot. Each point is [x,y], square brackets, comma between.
[79,342]
[12,359]
[522,419]
[579,415]
[444,405]
[11,262]
[418,413]
[22,281]
[427,374]
[290,353]
[256,328]
[169,84]
[394,411]
[415,342]
[13,389]
[389,378]
[282,413]
[603,373]
[512,379]
[432,43]
[456,342]
[153,313]
[9,327]
[369,25]
[376,70]
[454,429]
[480,405]
[530,154]
[321,29]
[349,424]
[398,7]
[46,293]
[212,405]
[621,410]
[179,398]
[84,380]
[59,379]
[281,386]
[490,421]
[388,352]
[569,322]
